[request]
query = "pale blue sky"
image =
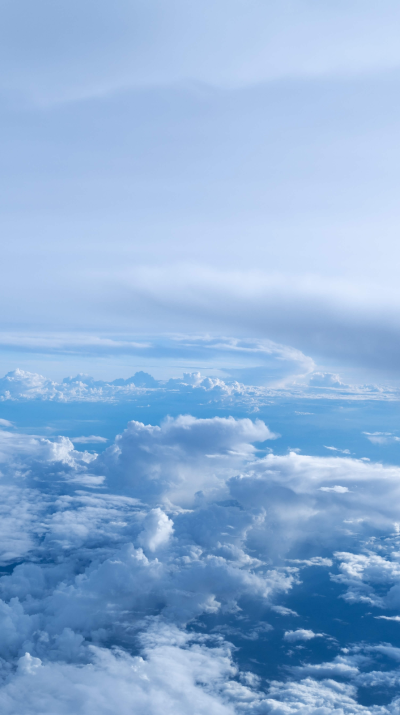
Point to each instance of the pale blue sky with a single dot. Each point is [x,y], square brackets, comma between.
[224,168]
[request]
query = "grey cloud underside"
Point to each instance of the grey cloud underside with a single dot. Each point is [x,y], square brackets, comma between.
[113,565]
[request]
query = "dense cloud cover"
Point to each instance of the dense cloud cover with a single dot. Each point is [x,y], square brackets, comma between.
[132,580]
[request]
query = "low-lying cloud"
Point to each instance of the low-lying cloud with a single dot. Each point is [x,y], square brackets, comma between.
[112,564]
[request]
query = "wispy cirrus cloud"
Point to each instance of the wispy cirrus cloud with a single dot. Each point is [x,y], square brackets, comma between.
[381,437]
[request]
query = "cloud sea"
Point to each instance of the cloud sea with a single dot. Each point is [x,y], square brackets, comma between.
[199,357]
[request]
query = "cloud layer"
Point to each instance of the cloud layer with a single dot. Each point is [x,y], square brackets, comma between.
[21,385]
[114,568]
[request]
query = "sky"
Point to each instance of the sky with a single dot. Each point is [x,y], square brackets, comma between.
[229,169]
[199,357]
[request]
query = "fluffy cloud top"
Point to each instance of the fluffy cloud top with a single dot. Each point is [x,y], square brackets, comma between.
[302,634]
[20,385]
[115,567]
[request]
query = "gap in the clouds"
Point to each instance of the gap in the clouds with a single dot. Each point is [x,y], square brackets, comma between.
[257,632]
[376,695]
[311,426]
[321,608]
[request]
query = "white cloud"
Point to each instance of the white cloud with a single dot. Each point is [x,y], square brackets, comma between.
[99,574]
[388,650]
[381,437]
[277,379]
[181,457]
[337,488]
[309,696]
[158,529]
[174,675]
[301,634]
[371,577]
[91,439]
[315,561]
[325,379]
[338,668]
[336,449]
[5,423]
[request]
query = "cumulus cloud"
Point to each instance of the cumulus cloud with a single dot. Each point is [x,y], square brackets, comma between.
[181,457]
[310,696]
[340,667]
[325,379]
[175,675]
[372,576]
[301,634]
[112,564]
[256,385]
[157,530]
[20,385]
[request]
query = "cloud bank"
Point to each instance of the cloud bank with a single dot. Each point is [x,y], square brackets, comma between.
[127,577]
[21,385]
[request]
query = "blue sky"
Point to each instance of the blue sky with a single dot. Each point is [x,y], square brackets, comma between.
[199,357]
